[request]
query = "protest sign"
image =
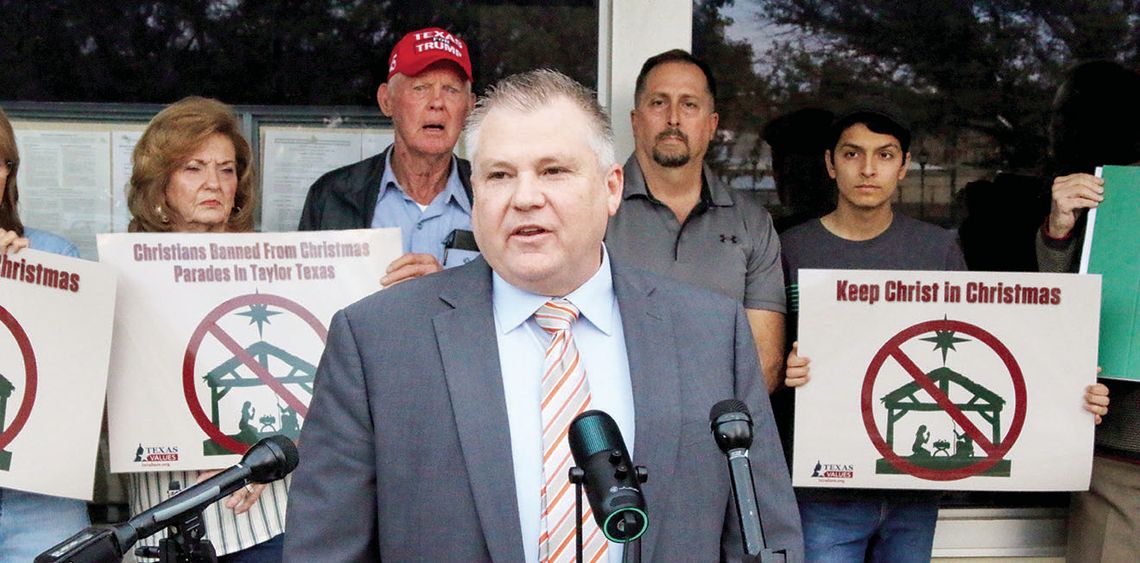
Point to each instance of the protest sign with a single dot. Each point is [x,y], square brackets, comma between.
[55,340]
[945,380]
[1111,250]
[218,336]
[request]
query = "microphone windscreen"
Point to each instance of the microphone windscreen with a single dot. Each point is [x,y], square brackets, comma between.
[591,432]
[271,459]
[289,449]
[726,406]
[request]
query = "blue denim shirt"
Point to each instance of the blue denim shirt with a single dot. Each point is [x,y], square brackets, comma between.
[47,242]
[422,231]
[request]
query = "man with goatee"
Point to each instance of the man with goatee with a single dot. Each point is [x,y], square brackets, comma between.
[680,220]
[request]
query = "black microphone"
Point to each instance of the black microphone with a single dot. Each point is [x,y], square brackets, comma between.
[268,460]
[732,427]
[613,484]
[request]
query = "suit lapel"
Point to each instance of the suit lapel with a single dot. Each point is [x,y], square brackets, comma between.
[467,343]
[656,384]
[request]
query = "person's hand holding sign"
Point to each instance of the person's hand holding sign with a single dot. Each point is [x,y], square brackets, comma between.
[1096,399]
[1071,194]
[11,242]
[796,370]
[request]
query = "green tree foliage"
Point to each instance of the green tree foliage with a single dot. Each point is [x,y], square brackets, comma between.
[742,97]
[989,66]
[296,52]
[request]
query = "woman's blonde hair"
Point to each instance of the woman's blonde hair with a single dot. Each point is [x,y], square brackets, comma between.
[170,138]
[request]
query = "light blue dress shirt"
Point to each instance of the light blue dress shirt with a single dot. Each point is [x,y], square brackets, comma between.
[422,230]
[600,338]
[47,242]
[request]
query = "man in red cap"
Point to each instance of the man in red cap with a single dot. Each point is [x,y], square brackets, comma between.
[416,184]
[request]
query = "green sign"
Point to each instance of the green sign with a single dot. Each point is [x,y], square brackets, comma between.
[1113,251]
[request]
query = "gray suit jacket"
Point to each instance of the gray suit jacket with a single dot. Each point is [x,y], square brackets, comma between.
[406,453]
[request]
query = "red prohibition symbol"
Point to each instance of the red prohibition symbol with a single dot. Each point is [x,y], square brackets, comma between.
[31,377]
[893,350]
[209,325]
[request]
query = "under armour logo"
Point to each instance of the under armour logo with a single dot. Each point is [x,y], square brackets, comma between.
[729,238]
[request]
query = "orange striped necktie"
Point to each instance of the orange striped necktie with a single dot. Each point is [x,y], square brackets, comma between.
[565,394]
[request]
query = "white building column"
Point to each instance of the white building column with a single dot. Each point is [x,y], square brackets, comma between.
[630,31]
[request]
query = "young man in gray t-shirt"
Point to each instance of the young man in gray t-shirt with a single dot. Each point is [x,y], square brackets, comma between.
[868,158]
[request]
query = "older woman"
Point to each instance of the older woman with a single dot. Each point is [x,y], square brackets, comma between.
[193,173]
[29,523]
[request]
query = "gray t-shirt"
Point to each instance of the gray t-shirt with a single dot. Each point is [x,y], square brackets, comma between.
[727,244]
[908,244]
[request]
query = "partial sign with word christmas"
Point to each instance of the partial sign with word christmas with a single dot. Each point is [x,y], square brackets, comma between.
[218,337]
[56,315]
[945,380]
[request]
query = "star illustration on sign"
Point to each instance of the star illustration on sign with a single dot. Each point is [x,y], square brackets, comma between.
[944,340]
[259,313]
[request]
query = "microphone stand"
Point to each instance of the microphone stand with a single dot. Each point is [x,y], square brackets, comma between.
[577,475]
[631,551]
[755,549]
[731,425]
[268,460]
[187,544]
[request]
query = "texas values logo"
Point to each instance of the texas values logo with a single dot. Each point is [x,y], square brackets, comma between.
[833,472]
[156,456]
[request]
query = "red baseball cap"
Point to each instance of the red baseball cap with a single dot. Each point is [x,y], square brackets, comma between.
[419,49]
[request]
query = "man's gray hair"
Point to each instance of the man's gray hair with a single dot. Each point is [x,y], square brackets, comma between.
[532,90]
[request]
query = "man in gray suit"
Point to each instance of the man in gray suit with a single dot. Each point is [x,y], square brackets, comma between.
[424,437]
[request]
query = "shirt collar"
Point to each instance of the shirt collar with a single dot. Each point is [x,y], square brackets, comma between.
[634,179]
[594,299]
[716,190]
[453,189]
[713,191]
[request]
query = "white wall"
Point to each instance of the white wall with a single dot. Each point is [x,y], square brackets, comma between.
[630,31]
